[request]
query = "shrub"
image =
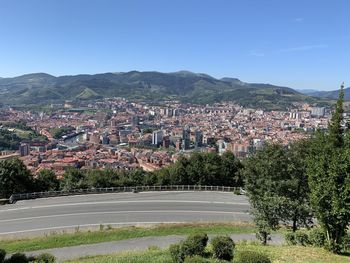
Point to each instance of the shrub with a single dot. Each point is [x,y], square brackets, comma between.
[176,253]
[153,248]
[289,237]
[345,242]
[301,238]
[46,258]
[317,237]
[332,246]
[195,259]
[32,259]
[195,245]
[17,258]
[251,257]
[237,191]
[223,247]
[2,255]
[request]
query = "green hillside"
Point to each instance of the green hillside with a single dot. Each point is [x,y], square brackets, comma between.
[333,94]
[41,88]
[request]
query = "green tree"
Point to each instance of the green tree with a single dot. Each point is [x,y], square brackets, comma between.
[336,132]
[295,186]
[137,176]
[178,171]
[203,169]
[46,180]
[263,173]
[231,168]
[276,182]
[14,178]
[131,178]
[9,140]
[73,178]
[195,169]
[160,177]
[212,170]
[101,178]
[329,178]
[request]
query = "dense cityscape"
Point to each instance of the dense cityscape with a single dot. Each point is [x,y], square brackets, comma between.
[120,134]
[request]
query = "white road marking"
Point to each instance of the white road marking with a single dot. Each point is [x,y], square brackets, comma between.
[121,212]
[121,202]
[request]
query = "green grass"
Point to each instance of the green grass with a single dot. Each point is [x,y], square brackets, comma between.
[297,254]
[22,133]
[79,238]
[277,254]
[153,255]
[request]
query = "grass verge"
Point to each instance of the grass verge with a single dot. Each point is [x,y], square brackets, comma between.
[114,234]
[277,254]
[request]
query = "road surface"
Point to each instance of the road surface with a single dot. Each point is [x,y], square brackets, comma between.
[47,215]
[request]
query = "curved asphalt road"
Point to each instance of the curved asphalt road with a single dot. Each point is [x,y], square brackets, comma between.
[43,216]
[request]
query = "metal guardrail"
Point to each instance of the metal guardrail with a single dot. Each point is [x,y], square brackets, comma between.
[16,197]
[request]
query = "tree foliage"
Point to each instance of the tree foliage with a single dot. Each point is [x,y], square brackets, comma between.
[296,187]
[9,140]
[329,178]
[46,180]
[276,182]
[202,169]
[14,178]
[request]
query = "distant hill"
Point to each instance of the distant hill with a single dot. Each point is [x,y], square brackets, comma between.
[307,91]
[42,88]
[333,94]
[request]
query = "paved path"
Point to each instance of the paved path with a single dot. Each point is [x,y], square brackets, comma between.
[43,216]
[136,244]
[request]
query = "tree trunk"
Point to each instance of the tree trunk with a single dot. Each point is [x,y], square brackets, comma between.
[264,236]
[295,226]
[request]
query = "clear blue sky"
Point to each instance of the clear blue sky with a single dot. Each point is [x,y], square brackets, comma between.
[296,43]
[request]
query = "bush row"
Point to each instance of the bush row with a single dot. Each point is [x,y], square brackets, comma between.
[194,250]
[314,237]
[22,258]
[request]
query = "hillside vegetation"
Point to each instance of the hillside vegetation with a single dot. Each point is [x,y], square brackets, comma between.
[187,87]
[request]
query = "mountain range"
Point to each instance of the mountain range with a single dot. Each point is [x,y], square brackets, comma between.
[185,86]
[331,94]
